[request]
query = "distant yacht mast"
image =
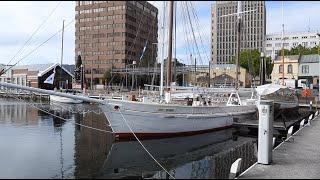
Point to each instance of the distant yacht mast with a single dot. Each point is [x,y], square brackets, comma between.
[282,37]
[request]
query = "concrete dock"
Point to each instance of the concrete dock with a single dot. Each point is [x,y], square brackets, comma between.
[294,159]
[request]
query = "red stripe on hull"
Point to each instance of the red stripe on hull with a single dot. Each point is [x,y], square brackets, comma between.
[130,136]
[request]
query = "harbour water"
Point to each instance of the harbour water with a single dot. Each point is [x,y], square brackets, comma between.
[34,144]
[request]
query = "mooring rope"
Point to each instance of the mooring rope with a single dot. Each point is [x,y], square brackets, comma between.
[143,145]
[89,127]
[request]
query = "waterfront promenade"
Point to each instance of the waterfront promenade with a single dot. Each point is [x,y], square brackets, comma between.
[294,159]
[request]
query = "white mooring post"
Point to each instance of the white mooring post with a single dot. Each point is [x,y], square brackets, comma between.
[265,145]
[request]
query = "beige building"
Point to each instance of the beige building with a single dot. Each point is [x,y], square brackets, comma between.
[220,75]
[291,68]
[114,33]
[224,31]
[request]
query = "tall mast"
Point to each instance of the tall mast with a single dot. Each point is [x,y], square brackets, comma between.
[61,52]
[239,11]
[169,73]
[162,53]
[282,37]
[239,21]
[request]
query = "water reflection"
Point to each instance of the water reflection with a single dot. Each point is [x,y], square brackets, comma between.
[37,145]
[129,159]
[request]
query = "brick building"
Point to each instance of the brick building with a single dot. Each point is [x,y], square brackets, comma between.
[34,75]
[114,33]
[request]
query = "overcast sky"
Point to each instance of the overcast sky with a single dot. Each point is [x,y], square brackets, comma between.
[20,19]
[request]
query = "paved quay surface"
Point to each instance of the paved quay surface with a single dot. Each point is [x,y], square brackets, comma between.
[296,159]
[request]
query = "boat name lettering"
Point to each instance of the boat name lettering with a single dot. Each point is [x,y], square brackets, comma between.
[166,110]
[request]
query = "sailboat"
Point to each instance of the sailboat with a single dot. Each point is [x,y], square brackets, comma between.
[166,119]
[158,119]
[51,78]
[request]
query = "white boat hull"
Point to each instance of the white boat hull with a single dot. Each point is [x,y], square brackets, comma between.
[64,100]
[149,120]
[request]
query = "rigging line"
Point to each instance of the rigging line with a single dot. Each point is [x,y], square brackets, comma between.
[154,17]
[157,47]
[136,36]
[35,32]
[198,26]
[143,145]
[101,130]
[189,44]
[193,34]
[183,21]
[187,49]
[197,21]
[28,61]
[188,32]
[194,38]
[37,47]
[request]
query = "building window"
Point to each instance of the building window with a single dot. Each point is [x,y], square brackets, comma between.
[313,43]
[305,69]
[289,69]
[280,68]
[278,44]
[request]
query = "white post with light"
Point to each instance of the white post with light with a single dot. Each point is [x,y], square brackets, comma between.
[265,131]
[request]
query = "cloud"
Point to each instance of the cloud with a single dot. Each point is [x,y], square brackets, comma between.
[24,19]
[26,16]
[296,16]
[185,40]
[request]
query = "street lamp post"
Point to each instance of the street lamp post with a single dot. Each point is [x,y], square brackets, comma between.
[262,69]
[133,68]
[209,74]
[81,76]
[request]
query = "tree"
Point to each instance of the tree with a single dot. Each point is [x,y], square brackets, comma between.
[297,50]
[269,65]
[109,78]
[250,60]
[78,62]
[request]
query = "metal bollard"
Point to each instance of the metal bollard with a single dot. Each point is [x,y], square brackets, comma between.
[235,168]
[265,139]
